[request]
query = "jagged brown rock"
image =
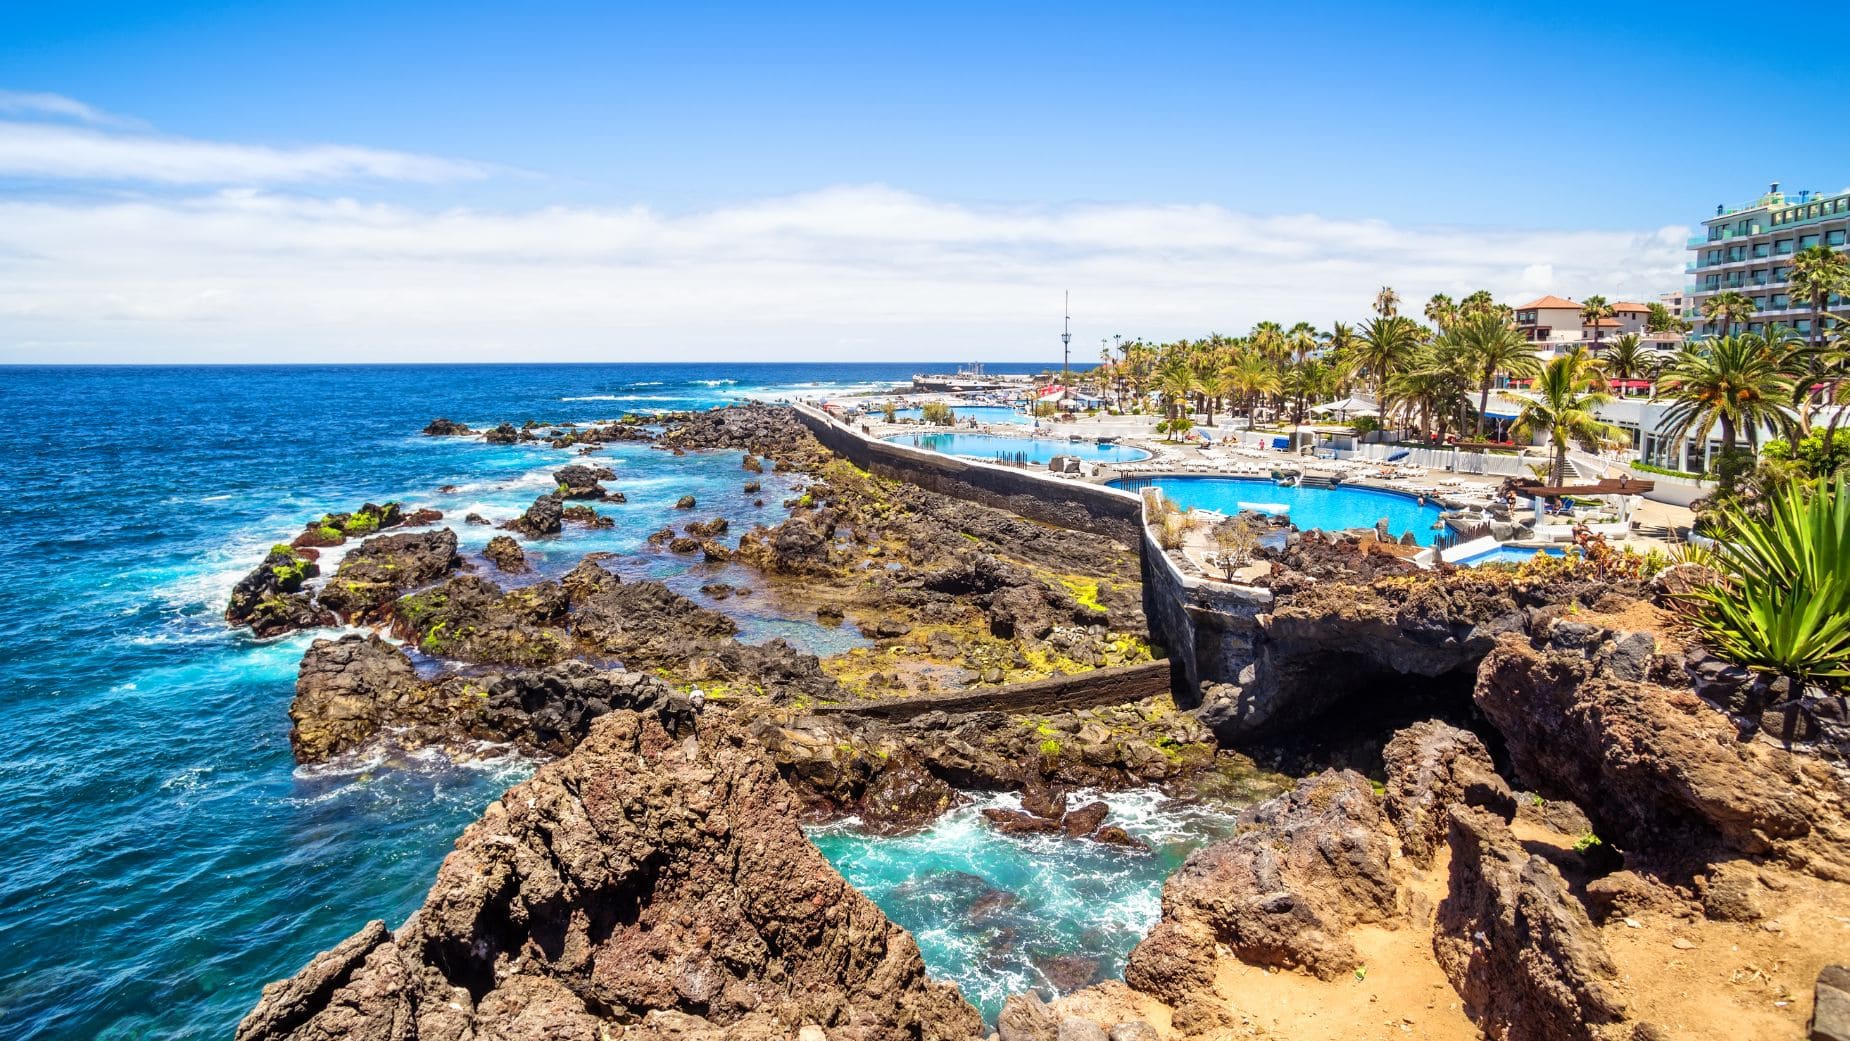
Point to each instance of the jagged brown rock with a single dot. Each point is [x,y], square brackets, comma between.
[1656,768]
[648,884]
[1306,867]
[506,555]
[1517,946]
[1431,767]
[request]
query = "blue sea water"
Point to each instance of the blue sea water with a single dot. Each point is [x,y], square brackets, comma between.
[163,857]
[1327,509]
[1000,914]
[1019,449]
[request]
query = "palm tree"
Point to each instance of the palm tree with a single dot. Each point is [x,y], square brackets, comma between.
[1301,339]
[1435,384]
[1628,358]
[1385,346]
[1727,310]
[1387,302]
[1567,393]
[1730,381]
[1485,345]
[1211,381]
[1819,273]
[1594,310]
[1301,383]
[1175,381]
[1479,302]
[1268,338]
[1249,376]
[1441,312]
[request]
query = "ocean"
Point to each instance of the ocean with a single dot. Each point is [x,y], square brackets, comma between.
[164,857]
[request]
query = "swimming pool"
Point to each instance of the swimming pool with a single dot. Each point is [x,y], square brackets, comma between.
[1330,509]
[980,413]
[1511,555]
[990,447]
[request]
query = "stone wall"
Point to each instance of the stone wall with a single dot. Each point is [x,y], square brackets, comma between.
[1036,495]
[1113,686]
[1209,629]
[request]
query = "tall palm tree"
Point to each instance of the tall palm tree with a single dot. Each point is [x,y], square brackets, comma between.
[1387,302]
[1268,338]
[1384,347]
[1727,310]
[1593,311]
[1485,345]
[1567,393]
[1434,385]
[1819,273]
[1441,312]
[1733,382]
[1301,339]
[1479,302]
[1250,376]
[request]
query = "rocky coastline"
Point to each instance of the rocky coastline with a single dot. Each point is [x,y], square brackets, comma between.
[1518,779]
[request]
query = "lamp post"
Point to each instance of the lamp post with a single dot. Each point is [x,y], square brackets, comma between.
[1066,339]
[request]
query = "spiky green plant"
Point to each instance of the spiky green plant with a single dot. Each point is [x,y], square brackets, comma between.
[1783,606]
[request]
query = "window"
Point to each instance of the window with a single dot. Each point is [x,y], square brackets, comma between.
[1780,301]
[1712,282]
[1739,253]
[1715,256]
[1781,247]
[1834,238]
[1761,249]
[1803,325]
[1808,241]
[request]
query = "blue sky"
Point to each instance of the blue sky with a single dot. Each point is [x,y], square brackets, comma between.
[958,163]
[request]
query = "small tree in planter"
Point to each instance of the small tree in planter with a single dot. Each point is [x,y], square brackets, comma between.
[1236,540]
[937,413]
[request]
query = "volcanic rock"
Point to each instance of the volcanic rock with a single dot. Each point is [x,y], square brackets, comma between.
[578,481]
[544,517]
[1515,943]
[641,876]
[1432,767]
[385,567]
[1305,868]
[271,599]
[441,427]
[506,555]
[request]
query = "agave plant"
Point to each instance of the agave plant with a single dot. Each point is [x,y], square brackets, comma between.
[1784,605]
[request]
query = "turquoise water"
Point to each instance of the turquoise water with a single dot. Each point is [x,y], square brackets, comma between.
[1512,555]
[980,413]
[1329,509]
[164,857]
[1020,449]
[999,914]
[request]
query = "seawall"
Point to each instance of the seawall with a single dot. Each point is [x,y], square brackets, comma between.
[1061,502]
[1090,689]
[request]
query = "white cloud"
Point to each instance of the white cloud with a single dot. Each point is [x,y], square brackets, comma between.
[850,272]
[63,152]
[57,106]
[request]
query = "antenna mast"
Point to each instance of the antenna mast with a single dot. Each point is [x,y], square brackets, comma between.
[1066,339]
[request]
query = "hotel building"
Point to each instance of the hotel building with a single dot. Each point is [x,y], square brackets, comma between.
[1750,248]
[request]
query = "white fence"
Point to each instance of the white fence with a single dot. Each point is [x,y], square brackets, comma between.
[1451,459]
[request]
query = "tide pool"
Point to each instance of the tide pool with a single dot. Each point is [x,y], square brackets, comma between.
[991,447]
[1328,509]
[998,914]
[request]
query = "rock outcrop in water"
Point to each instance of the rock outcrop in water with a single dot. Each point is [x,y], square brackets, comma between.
[650,886]
[353,691]
[271,599]
[385,567]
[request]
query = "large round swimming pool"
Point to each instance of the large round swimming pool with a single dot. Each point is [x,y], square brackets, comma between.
[993,447]
[1331,509]
[980,413]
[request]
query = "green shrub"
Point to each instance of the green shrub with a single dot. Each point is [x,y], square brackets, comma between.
[937,412]
[1783,605]
[1643,467]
